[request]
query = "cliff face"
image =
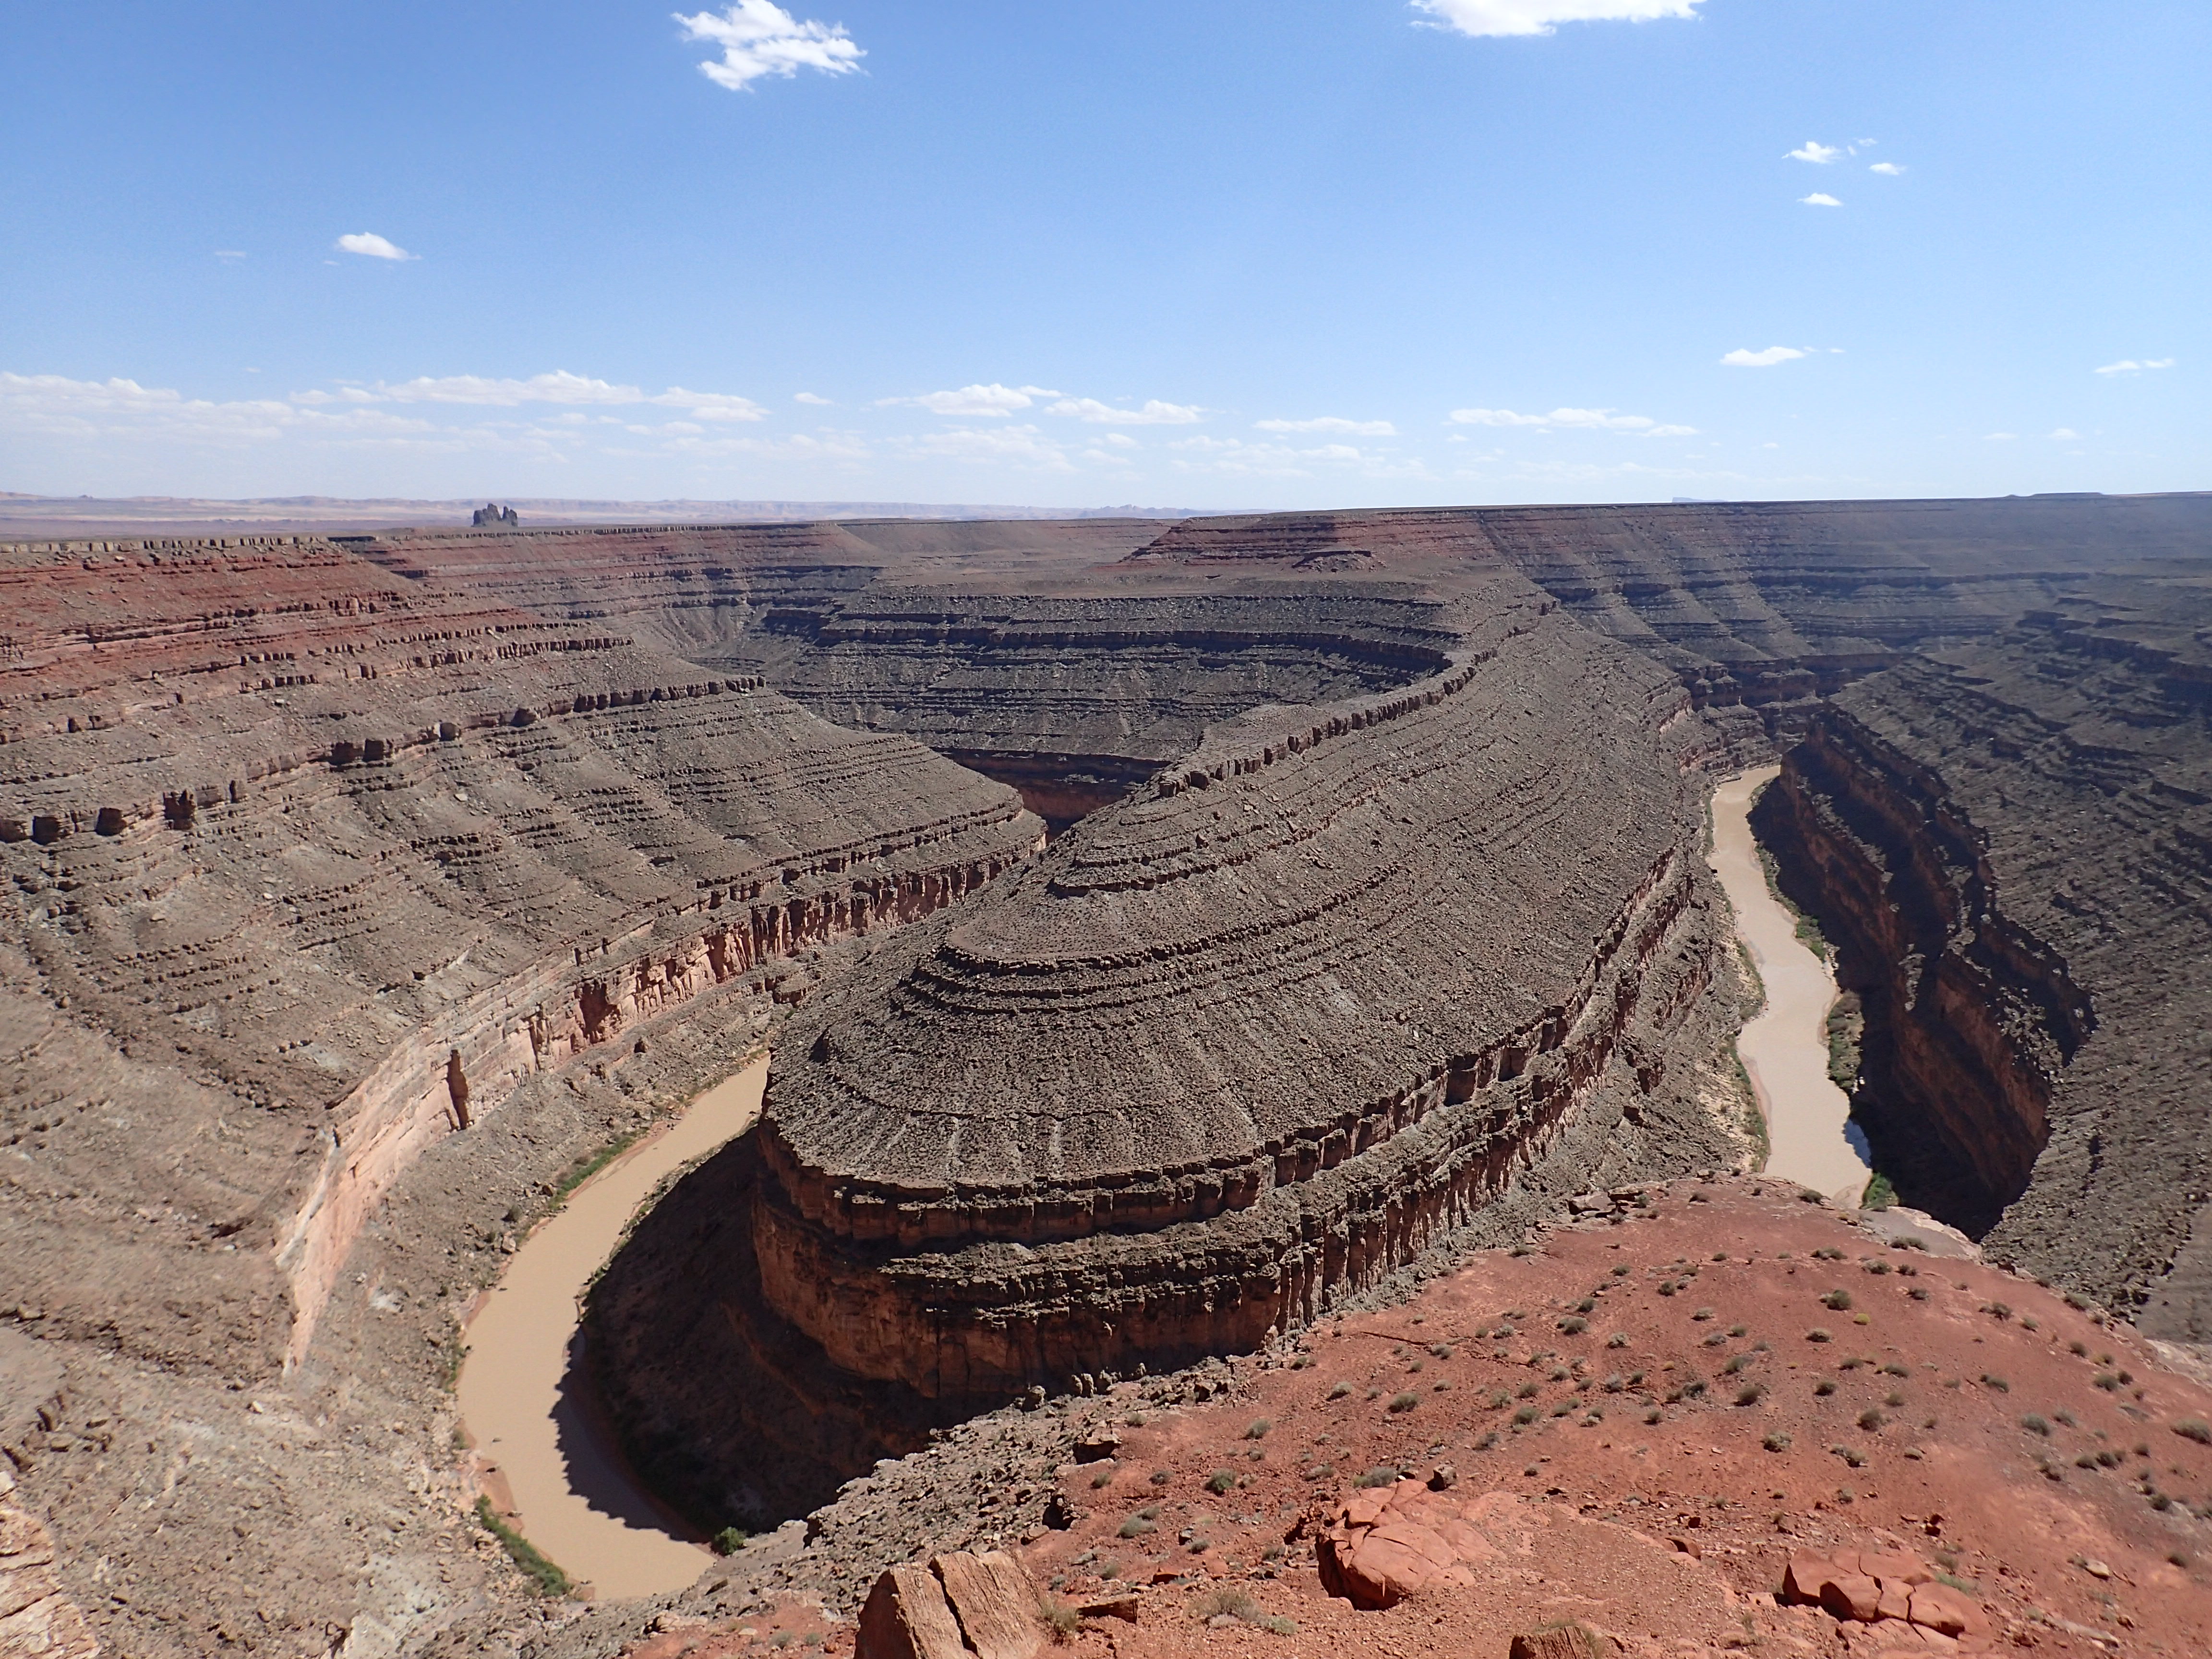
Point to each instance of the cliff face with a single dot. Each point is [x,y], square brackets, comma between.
[2009,845]
[303,849]
[1970,1020]
[1330,989]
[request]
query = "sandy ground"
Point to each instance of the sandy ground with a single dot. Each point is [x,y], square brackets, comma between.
[1785,1047]
[561,1482]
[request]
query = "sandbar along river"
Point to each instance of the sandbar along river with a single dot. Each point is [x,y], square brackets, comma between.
[576,1501]
[1784,1047]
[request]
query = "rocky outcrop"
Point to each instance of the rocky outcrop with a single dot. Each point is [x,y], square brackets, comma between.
[1231,1051]
[2009,845]
[957,1606]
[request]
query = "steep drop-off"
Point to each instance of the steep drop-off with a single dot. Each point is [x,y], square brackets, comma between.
[2009,846]
[300,849]
[1323,994]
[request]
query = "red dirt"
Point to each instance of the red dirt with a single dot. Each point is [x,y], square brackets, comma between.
[1671,1535]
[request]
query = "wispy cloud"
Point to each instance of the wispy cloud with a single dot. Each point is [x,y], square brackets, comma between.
[809,397]
[1331,423]
[369,245]
[1496,17]
[1585,420]
[1153,413]
[1999,437]
[1014,445]
[1236,457]
[2066,435]
[1740,358]
[559,387]
[970,400]
[1887,169]
[759,39]
[2129,366]
[1819,199]
[1814,151]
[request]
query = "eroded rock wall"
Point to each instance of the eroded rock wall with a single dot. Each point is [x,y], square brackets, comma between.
[1325,994]
[302,852]
[2010,845]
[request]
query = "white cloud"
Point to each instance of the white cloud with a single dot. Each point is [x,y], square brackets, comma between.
[1819,199]
[1494,17]
[1120,441]
[1999,437]
[1586,420]
[2064,434]
[1235,458]
[1018,446]
[559,388]
[1154,413]
[809,397]
[1331,423]
[1814,151]
[371,246]
[1887,169]
[2129,366]
[759,39]
[993,399]
[1739,358]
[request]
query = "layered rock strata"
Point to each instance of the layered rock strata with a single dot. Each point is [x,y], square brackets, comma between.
[331,859]
[2008,847]
[1235,1048]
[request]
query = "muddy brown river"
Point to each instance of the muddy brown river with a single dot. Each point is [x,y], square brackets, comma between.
[572,1496]
[1784,1047]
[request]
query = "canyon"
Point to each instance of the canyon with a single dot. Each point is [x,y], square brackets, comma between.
[1164,936]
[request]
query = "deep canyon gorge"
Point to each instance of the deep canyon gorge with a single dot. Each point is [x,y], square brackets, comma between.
[1161,936]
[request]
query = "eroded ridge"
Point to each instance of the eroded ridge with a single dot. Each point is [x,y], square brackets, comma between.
[1225,1054]
[309,864]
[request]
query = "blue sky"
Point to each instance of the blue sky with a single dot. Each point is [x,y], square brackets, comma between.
[1216,254]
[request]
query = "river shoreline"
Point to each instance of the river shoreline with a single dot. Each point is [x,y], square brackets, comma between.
[548,1461]
[1784,1047]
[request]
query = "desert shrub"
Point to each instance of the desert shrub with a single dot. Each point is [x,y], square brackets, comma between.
[1824,1386]
[1228,1604]
[1337,1391]
[1818,1334]
[1104,1478]
[1574,1325]
[1617,1339]
[729,1540]
[2195,1428]
[1750,1394]
[1527,1391]
[1996,1382]
[1383,1474]
[1525,1416]
[1871,1420]
[1257,1428]
[1837,1301]
[1275,1625]
[1221,1480]
[1702,1314]
[1404,1402]
[1775,1442]
[1136,1526]
[2034,1423]
[1058,1618]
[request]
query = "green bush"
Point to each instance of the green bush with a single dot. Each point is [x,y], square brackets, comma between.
[729,1540]
[548,1578]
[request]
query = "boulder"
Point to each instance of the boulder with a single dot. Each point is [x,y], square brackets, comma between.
[907,1617]
[994,1600]
[959,1606]
[1940,1607]
[1380,1549]
[1572,1640]
[1852,1596]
